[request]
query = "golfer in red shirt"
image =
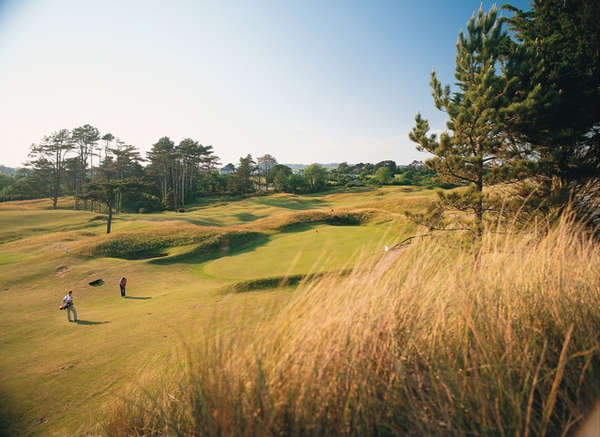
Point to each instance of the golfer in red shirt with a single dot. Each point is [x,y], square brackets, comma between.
[122,284]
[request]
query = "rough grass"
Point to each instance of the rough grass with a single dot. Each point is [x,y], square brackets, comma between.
[501,339]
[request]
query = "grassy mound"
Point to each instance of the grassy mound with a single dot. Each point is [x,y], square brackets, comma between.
[221,243]
[501,339]
[340,218]
[154,242]
[145,245]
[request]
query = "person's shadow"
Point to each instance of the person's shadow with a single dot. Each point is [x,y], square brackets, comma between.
[89,322]
[138,297]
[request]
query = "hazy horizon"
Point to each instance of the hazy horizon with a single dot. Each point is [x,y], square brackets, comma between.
[305,82]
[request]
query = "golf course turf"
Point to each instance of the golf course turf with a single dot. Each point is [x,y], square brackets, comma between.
[59,378]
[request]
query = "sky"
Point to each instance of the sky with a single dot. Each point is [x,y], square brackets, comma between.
[305,81]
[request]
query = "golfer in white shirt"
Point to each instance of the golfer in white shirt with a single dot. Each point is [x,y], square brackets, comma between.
[68,301]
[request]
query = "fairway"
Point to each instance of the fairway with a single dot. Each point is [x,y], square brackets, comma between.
[59,378]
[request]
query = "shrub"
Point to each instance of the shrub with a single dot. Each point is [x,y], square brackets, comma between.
[145,201]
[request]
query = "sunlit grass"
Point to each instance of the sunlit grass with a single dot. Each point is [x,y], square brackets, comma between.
[501,339]
[58,378]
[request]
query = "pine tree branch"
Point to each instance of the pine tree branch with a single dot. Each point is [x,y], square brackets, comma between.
[462,178]
[400,244]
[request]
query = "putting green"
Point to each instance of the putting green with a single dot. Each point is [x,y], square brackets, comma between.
[317,249]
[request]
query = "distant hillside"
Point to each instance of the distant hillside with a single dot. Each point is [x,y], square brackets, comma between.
[7,170]
[301,166]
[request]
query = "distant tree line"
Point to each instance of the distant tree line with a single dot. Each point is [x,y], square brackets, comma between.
[107,175]
[387,173]
[266,175]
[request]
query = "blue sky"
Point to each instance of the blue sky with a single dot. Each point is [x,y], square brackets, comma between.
[306,81]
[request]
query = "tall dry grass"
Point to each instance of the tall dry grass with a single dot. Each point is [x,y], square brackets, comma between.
[502,339]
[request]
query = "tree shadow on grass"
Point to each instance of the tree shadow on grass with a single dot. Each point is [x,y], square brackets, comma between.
[197,256]
[89,322]
[10,415]
[138,297]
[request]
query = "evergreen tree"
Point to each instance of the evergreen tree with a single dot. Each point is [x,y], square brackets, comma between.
[126,164]
[191,158]
[161,159]
[107,138]
[85,137]
[106,191]
[38,183]
[242,180]
[177,168]
[556,68]
[50,156]
[265,164]
[473,144]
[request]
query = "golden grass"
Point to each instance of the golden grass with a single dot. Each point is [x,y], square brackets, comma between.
[427,340]
[63,203]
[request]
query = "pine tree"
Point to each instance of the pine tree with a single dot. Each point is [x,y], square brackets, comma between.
[85,137]
[107,191]
[161,159]
[265,164]
[50,155]
[474,145]
[557,90]
[242,179]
